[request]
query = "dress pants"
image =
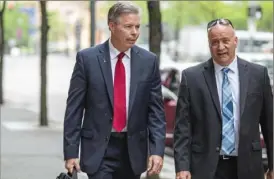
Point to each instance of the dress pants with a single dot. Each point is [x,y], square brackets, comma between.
[116,164]
[227,168]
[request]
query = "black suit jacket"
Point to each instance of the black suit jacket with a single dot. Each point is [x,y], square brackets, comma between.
[91,97]
[198,126]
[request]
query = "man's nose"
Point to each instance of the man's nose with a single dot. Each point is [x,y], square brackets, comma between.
[221,46]
[134,31]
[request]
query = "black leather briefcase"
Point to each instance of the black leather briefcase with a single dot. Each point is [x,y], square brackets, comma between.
[68,175]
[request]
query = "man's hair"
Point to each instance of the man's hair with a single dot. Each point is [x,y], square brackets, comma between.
[120,8]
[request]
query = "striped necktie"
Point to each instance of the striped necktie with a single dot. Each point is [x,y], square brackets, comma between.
[228,133]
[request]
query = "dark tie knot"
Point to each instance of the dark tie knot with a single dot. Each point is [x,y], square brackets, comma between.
[225,70]
[121,55]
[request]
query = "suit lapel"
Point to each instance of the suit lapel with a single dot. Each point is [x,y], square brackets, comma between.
[210,79]
[243,78]
[105,65]
[135,71]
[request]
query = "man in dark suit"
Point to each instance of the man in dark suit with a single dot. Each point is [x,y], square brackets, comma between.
[221,104]
[118,87]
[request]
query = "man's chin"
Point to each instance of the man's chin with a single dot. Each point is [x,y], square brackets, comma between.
[223,61]
[129,45]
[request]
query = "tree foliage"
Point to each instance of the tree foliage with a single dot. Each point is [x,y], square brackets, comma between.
[21,23]
[182,13]
[16,25]
[57,27]
[201,12]
[266,23]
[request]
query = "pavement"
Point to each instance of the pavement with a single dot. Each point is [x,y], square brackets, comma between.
[29,151]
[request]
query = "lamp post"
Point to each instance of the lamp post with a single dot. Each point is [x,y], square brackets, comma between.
[254,14]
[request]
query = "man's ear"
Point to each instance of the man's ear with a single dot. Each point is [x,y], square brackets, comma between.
[236,41]
[111,26]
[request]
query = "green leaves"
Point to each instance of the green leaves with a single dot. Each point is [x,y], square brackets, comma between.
[266,23]
[58,27]
[16,25]
[201,12]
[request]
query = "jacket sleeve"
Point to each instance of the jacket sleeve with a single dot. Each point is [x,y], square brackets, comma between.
[182,129]
[156,115]
[266,120]
[74,110]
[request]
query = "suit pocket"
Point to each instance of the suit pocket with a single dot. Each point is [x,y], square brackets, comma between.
[254,99]
[87,134]
[256,146]
[254,94]
[196,148]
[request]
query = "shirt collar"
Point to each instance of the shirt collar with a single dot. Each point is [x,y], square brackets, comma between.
[114,52]
[233,66]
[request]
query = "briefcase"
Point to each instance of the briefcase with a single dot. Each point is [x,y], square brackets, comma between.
[68,175]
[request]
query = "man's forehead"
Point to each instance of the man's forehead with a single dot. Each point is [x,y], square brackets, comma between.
[221,30]
[130,17]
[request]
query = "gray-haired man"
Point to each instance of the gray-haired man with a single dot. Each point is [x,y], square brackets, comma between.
[118,86]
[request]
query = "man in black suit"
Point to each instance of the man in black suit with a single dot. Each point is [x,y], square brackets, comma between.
[221,104]
[118,87]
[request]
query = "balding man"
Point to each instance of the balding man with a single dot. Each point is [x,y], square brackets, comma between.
[221,104]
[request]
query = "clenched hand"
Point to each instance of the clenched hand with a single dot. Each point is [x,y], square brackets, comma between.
[270,175]
[183,175]
[155,164]
[72,163]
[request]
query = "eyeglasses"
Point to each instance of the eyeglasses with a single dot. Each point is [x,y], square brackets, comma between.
[219,21]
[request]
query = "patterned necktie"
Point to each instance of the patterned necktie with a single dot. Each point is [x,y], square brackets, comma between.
[228,133]
[119,119]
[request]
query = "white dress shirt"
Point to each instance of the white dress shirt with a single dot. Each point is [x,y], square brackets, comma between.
[233,77]
[126,61]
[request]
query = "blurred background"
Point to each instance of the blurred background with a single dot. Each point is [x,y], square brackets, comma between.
[38,45]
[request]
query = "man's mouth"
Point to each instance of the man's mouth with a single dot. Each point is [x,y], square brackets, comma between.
[222,54]
[131,41]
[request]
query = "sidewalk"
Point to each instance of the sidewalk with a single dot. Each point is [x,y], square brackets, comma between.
[28,152]
[31,152]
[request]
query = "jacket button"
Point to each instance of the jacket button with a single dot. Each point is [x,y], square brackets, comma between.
[217,149]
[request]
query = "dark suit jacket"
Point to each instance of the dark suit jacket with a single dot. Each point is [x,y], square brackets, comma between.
[198,126]
[91,96]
